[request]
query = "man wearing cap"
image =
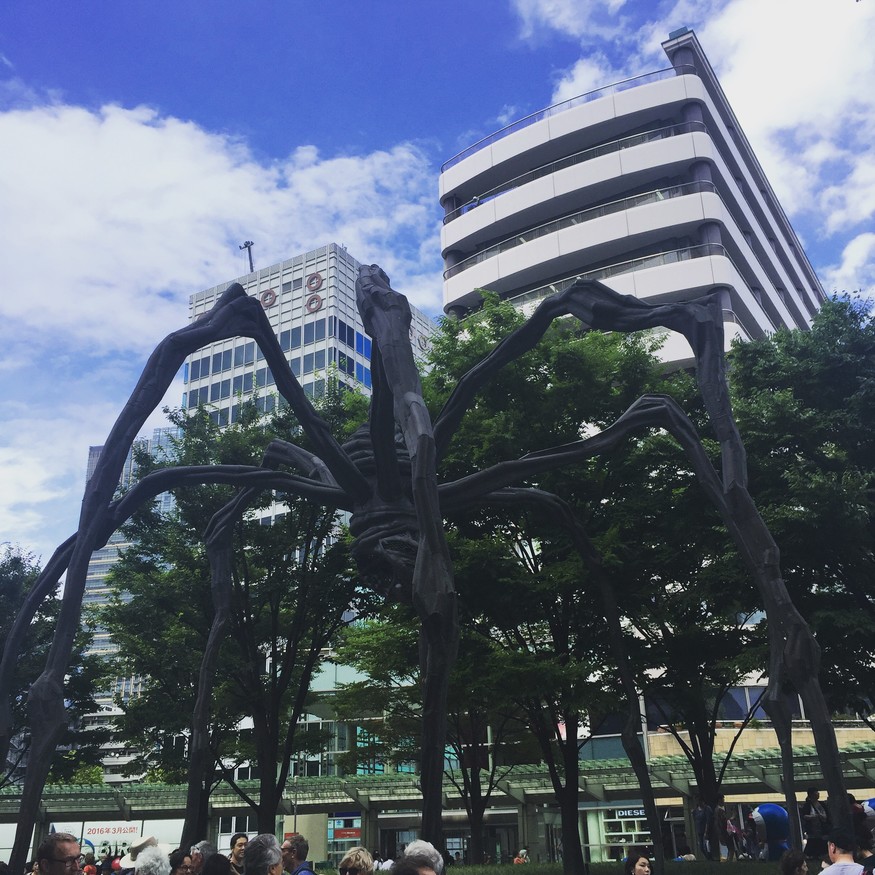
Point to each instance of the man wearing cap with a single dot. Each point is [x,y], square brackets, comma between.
[59,854]
[840,847]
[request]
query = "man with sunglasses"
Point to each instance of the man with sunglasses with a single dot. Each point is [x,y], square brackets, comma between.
[59,854]
[295,850]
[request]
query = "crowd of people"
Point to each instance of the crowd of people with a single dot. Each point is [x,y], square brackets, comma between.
[61,854]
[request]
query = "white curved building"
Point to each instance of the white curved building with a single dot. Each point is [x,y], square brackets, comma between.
[648,184]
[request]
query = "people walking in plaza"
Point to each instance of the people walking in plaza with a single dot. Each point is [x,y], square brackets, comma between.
[294,852]
[702,815]
[793,863]
[356,861]
[263,856]
[840,849]
[200,853]
[238,845]
[637,863]
[815,824]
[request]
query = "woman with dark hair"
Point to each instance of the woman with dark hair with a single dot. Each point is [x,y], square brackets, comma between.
[180,862]
[637,863]
[218,864]
[793,863]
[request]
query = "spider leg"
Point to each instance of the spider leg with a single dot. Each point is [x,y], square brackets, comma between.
[386,316]
[793,652]
[235,314]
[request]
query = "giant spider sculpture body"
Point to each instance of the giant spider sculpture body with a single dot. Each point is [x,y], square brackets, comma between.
[397,509]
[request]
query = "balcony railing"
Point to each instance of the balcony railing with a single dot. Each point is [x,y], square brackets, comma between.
[656,260]
[571,160]
[619,206]
[624,85]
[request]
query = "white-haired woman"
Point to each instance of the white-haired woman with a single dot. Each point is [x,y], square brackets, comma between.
[263,856]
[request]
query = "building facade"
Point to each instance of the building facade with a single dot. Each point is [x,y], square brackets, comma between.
[310,302]
[648,185]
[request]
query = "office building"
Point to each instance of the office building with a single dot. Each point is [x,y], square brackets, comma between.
[648,185]
[310,302]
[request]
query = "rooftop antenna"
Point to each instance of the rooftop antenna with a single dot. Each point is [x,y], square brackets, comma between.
[248,247]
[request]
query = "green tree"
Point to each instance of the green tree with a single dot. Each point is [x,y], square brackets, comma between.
[292,586]
[80,745]
[805,404]
[485,737]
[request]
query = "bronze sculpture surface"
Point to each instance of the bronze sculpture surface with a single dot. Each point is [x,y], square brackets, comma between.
[398,505]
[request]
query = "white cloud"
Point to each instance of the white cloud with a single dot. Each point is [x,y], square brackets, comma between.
[856,270]
[583,20]
[588,73]
[111,218]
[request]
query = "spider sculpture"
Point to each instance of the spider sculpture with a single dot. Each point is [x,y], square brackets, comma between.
[397,508]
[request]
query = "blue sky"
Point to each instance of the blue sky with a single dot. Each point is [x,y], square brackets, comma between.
[142,141]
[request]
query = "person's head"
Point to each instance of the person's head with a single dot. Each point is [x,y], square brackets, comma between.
[152,861]
[812,794]
[59,854]
[263,856]
[180,862]
[427,851]
[294,851]
[413,864]
[637,863]
[839,843]
[356,861]
[238,845]
[200,853]
[793,863]
[218,864]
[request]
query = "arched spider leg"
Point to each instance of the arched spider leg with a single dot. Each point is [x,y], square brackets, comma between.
[235,314]
[599,307]
[560,513]
[793,651]
[386,317]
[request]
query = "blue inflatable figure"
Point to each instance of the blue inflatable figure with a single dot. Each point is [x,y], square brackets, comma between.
[773,829]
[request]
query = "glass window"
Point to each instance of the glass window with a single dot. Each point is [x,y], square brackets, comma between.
[185,373]
[260,375]
[259,355]
[367,352]
[331,326]
[368,377]
[287,287]
[297,283]
[226,388]
[359,343]
[235,412]
[296,337]
[319,361]
[296,366]
[359,371]
[269,405]
[309,333]
[285,340]
[249,353]
[308,363]
[319,328]
[214,392]
[247,382]
[238,384]
[238,355]
[217,362]
[319,388]
[196,370]
[227,356]
[268,377]
[308,389]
